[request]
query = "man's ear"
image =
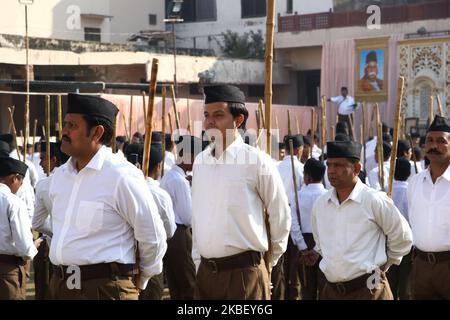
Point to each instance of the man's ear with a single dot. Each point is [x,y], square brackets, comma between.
[358,167]
[98,132]
[239,120]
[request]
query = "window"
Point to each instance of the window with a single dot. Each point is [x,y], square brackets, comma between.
[152,19]
[198,10]
[289,6]
[92,34]
[253,8]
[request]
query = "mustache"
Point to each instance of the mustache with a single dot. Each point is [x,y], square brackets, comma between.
[66,138]
[433,151]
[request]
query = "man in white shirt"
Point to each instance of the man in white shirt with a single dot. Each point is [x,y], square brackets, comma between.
[16,241]
[399,276]
[41,221]
[101,207]
[429,208]
[358,231]
[178,263]
[155,287]
[302,236]
[346,105]
[232,185]
[374,178]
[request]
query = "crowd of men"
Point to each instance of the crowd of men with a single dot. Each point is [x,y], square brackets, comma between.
[217,218]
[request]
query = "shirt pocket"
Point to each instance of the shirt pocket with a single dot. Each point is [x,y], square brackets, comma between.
[89,216]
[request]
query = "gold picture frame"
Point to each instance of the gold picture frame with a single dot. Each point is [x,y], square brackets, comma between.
[372,59]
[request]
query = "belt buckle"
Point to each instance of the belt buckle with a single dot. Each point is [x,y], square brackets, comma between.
[213,265]
[340,287]
[431,258]
[61,272]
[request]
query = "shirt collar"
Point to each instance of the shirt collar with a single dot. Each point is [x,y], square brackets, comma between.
[400,183]
[355,195]
[179,170]
[232,150]
[315,186]
[152,181]
[97,161]
[445,175]
[5,188]
[288,157]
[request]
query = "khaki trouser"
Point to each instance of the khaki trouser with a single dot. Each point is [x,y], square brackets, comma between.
[12,282]
[400,278]
[248,283]
[431,280]
[291,259]
[121,288]
[179,266]
[42,271]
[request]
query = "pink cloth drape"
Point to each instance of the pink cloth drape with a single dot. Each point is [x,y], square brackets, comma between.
[338,70]
[299,114]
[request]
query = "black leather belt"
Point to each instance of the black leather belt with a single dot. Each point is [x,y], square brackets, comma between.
[241,260]
[352,285]
[10,259]
[433,257]
[96,271]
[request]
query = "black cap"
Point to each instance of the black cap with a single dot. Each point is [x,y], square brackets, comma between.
[223,93]
[156,137]
[371,56]
[344,149]
[92,106]
[342,137]
[12,166]
[297,140]
[136,148]
[307,140]
[4,149]
[440,124]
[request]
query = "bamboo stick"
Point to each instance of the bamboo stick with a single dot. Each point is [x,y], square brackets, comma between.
[34,139]
[174,103]
[276,123]
[170,123]
[261,114]
[270,25]
[60,117]
[127,134]
[298,127]
[400,90]
[313,130]
[23,141]
[113,142]
[363,133]
[163,129]
[13,108]
[149,124]
[47,134]
[189,125]
[26,120]
[413,153]
[323,126]
[130,118]
[144,109]
[43,131]
[13,128]
[431,111]
[379,147]
[333,130]
[438,99]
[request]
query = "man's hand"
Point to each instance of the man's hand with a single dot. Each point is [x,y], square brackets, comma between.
[37,242]
[309,257]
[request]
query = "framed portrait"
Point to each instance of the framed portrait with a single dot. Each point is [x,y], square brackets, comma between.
[372,59]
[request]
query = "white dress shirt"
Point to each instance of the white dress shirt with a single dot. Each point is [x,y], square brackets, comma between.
[165,206]
[177,186]
[413,169]
[169,161]
[41,221]
[306,198]
[36,160]
[15,226]
[374,181]
[359,235]
[100,212]
[229,195]
[399,196]
[26,194]
[429,211]
[344,104]
[285,170]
